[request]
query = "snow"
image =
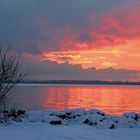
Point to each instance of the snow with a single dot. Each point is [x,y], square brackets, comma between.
[41,131]
[94,118]
[72,125]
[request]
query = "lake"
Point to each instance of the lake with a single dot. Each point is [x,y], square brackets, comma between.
[111,99]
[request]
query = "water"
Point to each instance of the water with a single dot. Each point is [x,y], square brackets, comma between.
[111,99]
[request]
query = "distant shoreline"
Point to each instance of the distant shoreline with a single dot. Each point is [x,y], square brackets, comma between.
[78,82]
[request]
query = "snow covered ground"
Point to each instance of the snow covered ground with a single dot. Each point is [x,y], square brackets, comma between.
[73,125]
[41,131]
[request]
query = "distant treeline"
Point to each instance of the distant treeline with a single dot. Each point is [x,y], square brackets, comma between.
[94,82]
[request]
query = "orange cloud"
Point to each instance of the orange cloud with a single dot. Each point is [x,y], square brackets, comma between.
[123,56]
[113,42]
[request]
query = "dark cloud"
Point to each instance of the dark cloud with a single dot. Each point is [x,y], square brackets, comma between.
[84,38]
[18,18]
[47,70]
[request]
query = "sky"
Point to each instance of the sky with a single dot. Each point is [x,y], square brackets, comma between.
[74,39]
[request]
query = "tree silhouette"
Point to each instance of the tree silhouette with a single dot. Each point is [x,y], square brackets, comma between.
[10,75]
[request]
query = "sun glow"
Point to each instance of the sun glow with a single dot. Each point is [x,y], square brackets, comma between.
[125,56]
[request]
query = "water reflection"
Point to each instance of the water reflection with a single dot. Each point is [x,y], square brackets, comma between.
[111,99]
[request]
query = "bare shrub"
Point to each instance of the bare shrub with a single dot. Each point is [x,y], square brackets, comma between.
[10,75]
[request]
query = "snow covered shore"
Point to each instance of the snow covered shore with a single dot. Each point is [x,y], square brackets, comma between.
[72,125]
[94,118]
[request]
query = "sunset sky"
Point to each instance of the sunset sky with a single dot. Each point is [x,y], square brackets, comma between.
[74,39]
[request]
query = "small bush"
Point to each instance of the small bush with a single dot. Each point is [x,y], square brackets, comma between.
[12,115]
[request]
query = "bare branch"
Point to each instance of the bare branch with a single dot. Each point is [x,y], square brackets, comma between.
[10,75]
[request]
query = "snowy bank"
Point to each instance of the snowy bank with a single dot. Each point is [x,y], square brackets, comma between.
[94,118]
[72,125]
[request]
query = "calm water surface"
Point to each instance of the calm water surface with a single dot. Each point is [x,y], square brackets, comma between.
[111,99]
